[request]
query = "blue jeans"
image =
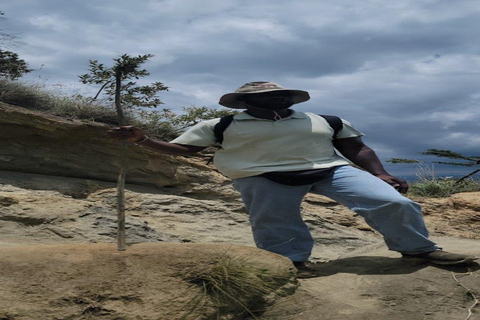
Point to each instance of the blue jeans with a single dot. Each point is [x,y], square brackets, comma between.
[277,224]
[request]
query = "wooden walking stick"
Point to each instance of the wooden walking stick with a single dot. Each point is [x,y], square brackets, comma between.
[121,242]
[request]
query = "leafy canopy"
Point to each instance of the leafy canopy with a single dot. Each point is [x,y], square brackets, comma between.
[469,161]
[129,68]
[167,125]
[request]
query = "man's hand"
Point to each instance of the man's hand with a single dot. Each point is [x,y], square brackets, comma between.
[133,134]
[128,133]
[397,183]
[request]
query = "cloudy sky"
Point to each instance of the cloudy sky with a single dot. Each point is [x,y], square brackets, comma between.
[405,72]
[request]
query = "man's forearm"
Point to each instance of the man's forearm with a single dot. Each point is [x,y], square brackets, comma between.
[170,148]
[368,160]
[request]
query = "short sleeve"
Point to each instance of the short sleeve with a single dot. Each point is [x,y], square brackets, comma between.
[348,131]
[200,135]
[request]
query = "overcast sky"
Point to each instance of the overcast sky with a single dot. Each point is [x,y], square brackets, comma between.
[406,73]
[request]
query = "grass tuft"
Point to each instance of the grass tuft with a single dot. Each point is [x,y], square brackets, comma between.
[235,286]
[431,186]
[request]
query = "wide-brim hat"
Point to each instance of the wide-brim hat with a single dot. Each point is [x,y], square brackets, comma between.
[230,99]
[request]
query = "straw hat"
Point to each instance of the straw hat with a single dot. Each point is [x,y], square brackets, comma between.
[230,99]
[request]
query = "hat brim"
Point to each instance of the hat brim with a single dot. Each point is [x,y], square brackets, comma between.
[229,100]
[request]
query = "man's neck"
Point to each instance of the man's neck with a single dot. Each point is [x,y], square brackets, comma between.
[269,114]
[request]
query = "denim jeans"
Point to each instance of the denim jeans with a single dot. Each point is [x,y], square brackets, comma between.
[278,227]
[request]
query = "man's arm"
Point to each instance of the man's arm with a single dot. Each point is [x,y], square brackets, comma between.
[136,135]
[360,154]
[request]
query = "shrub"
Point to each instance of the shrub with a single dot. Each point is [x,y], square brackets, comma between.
[431,186]
[440,188]
[234,285]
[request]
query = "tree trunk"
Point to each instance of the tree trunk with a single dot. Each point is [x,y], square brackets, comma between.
[467,176]
[121,242]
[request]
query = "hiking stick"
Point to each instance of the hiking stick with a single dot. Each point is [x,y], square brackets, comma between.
[121,243]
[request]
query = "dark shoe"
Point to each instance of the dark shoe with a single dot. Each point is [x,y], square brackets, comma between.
[304,271]
[443,258]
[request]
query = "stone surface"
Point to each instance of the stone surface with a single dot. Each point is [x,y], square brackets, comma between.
[34,142]
[48,209]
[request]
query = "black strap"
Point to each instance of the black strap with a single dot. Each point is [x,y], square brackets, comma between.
[221,126]
[334,122]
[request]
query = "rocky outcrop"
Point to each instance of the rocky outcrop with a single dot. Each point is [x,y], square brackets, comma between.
[48,209]
[36,142]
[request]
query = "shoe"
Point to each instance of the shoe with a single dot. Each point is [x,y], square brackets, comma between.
[443,258]
[304,271]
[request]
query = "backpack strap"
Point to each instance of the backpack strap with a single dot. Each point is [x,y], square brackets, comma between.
[221,126]
[334,122]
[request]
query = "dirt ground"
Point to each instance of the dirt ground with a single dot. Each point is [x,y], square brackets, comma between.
[95,281]
[58,258]
[377,284]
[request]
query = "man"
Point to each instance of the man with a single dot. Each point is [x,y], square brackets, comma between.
[276,155]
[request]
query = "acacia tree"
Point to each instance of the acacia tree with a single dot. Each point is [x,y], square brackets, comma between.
[465,161]
[117,84]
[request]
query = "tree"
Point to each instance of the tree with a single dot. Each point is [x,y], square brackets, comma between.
[400,160]
[127,95]
[11,67]
[466,161]
[167,125]
[193,115]
[131,94]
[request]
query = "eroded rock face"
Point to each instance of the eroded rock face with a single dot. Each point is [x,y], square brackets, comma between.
[458,215]
[45,209]
[34,142]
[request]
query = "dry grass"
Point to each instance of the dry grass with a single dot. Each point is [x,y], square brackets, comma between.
[36,97]
[161,124]
[431,186]
[236,287]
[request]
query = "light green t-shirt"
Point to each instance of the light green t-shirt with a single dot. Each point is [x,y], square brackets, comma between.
[252,146]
